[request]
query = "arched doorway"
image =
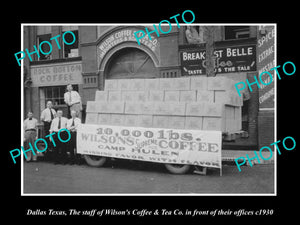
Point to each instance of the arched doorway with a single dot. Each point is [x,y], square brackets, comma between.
[128,63]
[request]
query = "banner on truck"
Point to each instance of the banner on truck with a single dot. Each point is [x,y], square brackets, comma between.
[194,147]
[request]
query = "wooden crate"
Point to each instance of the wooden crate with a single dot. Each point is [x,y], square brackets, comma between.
[152,84]
[145,120]
[228,98]
[176,122]
[229,111]
[171,96]
[141,96]
[199,83]
[214,123]
[238,117]
[162,108]
[187,96]
[101,96]
[230,125]
[124,84]
[128,96]
[104,107]
[91,118]
[146,108]
[92,106]
[156,95]
[181,83]
[177,108]
[117,119]
[130,120]
[111,85]
[193,122]
[205,96]
[160,121]
[195,108]
[220,83]
[166,84]
[137,84]
[116,107]
[132,108]
[104,118]
[114,96]
[204,109]
[214,109]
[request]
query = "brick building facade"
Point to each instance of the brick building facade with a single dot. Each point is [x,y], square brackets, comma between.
[111,52]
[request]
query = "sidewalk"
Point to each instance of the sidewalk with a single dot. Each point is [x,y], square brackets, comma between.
[125,177]
[231,155]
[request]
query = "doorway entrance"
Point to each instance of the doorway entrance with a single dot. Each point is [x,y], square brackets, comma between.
[130,63]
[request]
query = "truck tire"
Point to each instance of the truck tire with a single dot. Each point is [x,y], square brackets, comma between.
[177,168]
[95,161]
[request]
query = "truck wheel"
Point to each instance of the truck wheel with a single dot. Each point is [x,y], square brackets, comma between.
[95,161]
[177,168]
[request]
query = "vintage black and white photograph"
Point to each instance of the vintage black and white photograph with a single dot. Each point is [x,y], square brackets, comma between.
[149,109]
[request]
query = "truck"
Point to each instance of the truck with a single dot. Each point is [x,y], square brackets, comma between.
[180,122]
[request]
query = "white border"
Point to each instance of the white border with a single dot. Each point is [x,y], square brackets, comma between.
[22,112]
[149,194]
[267,109]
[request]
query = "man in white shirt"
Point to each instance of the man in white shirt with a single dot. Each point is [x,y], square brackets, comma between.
[60,151]
[47,115]
[30,135]
[73,100]
[72,127]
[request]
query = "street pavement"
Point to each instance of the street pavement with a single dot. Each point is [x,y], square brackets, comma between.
[134,177]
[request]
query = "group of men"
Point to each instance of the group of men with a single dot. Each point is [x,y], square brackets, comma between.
[54,121]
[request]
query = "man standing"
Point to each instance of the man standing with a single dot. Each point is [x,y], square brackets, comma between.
[30,135]
[47,115]
[73,100]
[60,151]
[72,126]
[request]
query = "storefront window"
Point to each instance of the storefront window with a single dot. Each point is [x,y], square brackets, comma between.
[70,51]
[45,47]
[236,32]
[194,34]
[55,94]
[130,63]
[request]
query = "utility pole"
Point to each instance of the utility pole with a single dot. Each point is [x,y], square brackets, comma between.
[210,58]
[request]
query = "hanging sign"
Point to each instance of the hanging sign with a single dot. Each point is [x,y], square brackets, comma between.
[266,61]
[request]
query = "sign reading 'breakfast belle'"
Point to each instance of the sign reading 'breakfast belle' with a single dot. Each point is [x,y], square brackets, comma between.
[226,60]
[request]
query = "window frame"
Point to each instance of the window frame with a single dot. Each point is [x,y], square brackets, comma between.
[64,45]
[47,57]
[61,91]
[236,33]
